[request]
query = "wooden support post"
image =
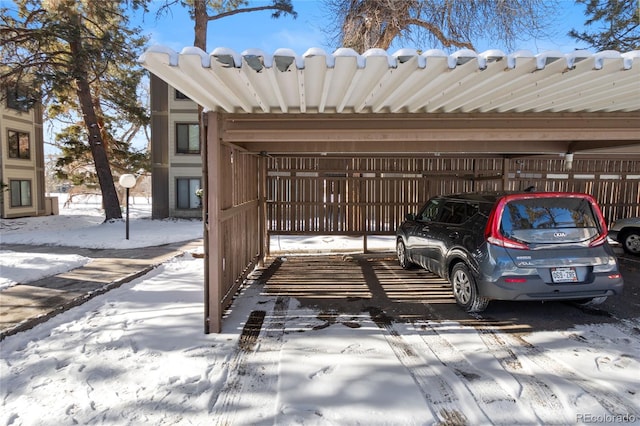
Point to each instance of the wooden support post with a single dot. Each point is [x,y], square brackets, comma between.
[214,258]
[505,173]
[204,123]
[268,243]
[262,209]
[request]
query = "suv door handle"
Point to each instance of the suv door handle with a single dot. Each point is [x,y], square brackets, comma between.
[454,235]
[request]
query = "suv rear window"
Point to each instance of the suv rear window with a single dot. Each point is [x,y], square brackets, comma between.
[527,219]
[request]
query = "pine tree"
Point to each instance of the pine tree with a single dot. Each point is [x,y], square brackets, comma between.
[79,57]
[615,24]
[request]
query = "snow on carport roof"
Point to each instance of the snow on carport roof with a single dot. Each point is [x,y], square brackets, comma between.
[404,82]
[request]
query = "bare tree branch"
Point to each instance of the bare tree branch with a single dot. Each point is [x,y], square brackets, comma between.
[365,24]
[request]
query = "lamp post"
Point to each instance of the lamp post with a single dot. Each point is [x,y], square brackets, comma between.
[128,182]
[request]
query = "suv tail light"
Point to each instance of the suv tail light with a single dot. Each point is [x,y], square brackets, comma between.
[599,240]
[602,224]
[502,241]
[492,232]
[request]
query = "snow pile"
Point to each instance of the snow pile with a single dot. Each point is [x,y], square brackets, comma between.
[27,267]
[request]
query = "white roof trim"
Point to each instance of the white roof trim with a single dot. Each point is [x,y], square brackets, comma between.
[405,81]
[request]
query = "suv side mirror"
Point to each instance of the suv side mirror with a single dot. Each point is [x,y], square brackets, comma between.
[410,216]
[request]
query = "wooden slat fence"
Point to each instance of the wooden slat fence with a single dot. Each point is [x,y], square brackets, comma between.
[370,196]
[239,218]
[614,183]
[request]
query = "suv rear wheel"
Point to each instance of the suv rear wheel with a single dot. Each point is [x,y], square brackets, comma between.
[465,290]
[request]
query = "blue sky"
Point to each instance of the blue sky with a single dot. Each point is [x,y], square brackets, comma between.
[243,31]
[259,30]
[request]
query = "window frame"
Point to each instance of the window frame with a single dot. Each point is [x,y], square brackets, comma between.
[21,196]
[456,212]
[20,153]
[195,202]
[18,100]
[434,203]
[188,151]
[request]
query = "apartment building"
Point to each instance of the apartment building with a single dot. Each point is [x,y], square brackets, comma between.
[176,161]
[22,158]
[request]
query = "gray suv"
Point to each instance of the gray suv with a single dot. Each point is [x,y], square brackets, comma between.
[513,246]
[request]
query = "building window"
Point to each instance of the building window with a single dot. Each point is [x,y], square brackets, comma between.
[181,96]
[20,191]
[18,100]
[187,139]
[19,146]
[186,193]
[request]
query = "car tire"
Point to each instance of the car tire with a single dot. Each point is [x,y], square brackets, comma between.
[401,252]
[465,290]
[630,240]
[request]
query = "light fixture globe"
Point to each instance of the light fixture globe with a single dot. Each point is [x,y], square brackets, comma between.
[127,181]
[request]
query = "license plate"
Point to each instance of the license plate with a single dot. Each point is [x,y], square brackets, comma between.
[564,275]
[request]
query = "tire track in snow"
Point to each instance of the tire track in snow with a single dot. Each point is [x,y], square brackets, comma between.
[545,406]
[611,401]
[443,402]
[257,355]
[537,393]
[499,404]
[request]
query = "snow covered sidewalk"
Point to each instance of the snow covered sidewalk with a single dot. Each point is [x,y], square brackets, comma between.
[55,283]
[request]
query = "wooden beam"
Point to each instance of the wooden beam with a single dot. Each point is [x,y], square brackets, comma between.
[230,212]
[611,144]
[433,121]
[214,254]
[396,147]
[372,134]
[492,133]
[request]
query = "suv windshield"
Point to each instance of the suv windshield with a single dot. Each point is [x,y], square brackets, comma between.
[549,220]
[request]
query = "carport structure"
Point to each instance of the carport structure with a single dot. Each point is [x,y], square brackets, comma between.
[346,144]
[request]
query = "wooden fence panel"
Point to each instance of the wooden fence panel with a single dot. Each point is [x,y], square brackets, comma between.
[239,219]
[368,196]
[615,183]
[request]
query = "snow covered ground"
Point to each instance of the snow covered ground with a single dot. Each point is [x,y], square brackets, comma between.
[137,354]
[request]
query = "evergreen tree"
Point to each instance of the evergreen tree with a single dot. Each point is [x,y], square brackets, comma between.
[79,57]
[612,24]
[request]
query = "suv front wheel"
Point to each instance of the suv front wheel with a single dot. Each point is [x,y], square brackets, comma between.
[465,290]
[401,252]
